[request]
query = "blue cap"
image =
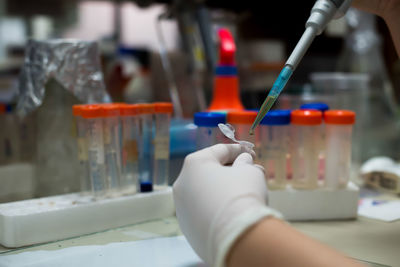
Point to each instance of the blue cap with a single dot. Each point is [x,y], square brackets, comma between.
[276,117]
[146,187]
[209,119]
[226,70]
[315,106]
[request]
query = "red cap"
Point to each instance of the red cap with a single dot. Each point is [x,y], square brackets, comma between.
[2,108]
[92,111]
[306,117]
[241,117]
[344,117]
[146,108]
[163,107]
[128,109]
[76,110]
[227,47]
[110,110]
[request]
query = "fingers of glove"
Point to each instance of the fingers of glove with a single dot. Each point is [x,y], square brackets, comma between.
[260,167]
[244,158]
[221,153]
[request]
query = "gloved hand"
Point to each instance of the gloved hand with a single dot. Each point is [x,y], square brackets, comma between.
[215,203]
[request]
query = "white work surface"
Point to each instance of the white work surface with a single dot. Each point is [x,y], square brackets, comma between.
[364,239]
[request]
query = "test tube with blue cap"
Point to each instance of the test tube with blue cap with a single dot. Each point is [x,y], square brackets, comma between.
[208,133]
[274,135]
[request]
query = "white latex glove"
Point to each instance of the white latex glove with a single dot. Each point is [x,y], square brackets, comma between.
[215,203]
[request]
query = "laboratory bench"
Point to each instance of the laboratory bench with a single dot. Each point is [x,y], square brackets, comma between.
[363,239]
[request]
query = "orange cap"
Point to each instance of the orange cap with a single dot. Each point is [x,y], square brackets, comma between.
[163,107]
[76,110]
[2,108]
[306,117]
[110,110]
[128,109]
[339,117]
[146,108]
[241,117]
[91,111]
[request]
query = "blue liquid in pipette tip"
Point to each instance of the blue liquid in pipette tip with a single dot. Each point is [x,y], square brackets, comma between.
[276,89]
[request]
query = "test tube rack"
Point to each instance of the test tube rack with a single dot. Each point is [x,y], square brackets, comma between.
[317,204]
[59,217]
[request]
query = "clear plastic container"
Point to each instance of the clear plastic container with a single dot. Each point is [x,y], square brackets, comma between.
[112,146]
[242,121]
[339,124]
[162,119]
[82,146]
[208,133]
[130,148]
[146,148]
[274,139]
[93,119]
[320,106]
[305,147]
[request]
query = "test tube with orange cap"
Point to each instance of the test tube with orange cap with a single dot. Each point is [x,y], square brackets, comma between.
[93,119]
[130,147]
[146,149]
[82,148]
[112,146]
[242,120]
[338,125]
[162,119]
[306,143]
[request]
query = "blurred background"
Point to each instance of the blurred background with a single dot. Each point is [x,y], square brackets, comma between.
[167,51]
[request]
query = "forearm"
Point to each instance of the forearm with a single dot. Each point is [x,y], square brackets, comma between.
[272,242]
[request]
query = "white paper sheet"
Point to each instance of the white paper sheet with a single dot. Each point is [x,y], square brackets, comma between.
[387,211]
[157,252]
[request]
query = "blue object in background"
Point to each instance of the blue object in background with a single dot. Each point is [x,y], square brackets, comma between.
[277,117]
[315,106]
[209,119]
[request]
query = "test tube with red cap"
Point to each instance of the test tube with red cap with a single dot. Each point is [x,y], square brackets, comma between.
[146,149]
[112,146]
[82,148]
[162,119]
[130,147]
[306,144]
[242,120]
[338,125]
[93,119]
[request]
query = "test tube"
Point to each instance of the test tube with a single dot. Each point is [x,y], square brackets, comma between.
[146,148]
[130,147]
[208,133]
[82,148]
[320,106]
[306,142]
[339,124]
[93,119]
[274,139]
[162,119]
[112,146]
[242,121]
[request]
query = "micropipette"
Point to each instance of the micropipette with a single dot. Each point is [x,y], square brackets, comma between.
[322,12]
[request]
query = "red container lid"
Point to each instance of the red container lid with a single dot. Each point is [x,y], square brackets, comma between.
[76,110]
[241,117]
[128,109]
[163,107]
[343,117]
[91,111]
[146,108]
[110,110]
[306,117]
